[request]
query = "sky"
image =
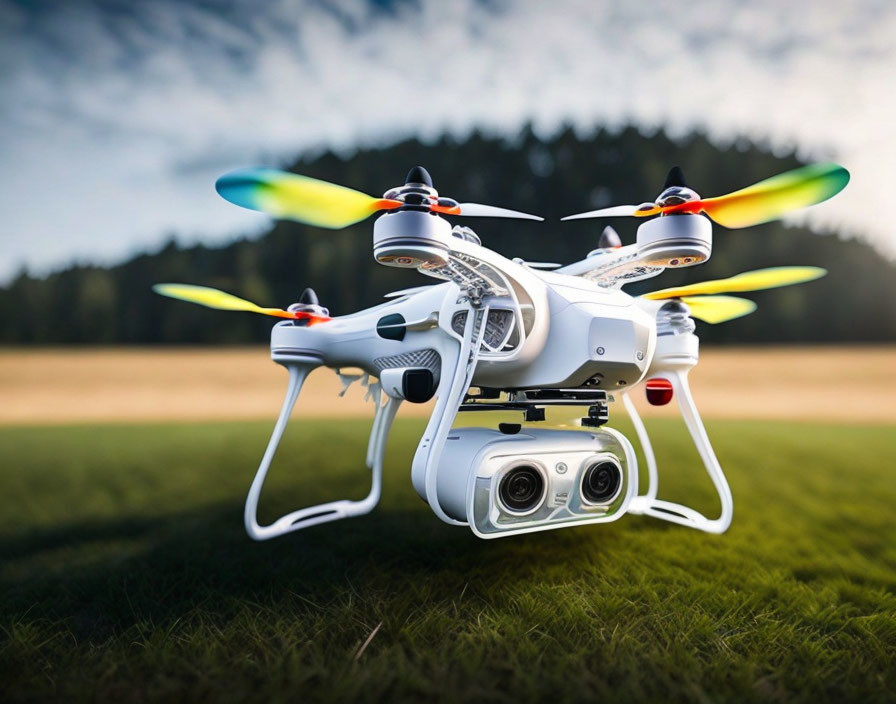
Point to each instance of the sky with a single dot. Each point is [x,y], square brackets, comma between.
[117,117]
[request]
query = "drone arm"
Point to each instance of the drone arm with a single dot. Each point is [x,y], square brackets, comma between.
[613,267]
[333,510]
[647,503]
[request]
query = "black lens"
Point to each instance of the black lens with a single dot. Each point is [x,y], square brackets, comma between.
[601,482]
[521,488]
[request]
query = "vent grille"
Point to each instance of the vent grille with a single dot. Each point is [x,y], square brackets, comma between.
[497,329]
[427,359]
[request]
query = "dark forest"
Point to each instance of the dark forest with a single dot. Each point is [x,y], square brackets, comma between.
[856,302]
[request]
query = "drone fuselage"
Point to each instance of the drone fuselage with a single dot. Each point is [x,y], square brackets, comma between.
[509,329]
[544,329]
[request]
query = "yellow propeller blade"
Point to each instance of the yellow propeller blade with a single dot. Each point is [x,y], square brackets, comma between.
[294,197]
[718,309]
[776,196]
[748,281]
[213,298]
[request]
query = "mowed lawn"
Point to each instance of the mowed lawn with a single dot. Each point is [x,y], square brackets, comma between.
[126,576]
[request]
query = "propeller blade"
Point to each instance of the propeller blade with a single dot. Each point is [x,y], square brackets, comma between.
[213,298]
[478,210]
[776,196]
[756,204]
[293,197]
[718,309]
[748,281]
[615,211]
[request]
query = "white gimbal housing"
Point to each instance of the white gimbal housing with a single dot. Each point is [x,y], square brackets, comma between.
[515,480]
[501,335]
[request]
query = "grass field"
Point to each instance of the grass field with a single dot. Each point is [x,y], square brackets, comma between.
[126,576]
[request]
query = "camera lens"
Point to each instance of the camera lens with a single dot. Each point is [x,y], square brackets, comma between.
[601,482]
[521,489]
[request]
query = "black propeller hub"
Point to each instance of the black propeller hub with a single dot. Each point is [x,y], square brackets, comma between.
[609,239]
[417,193]
[309,297]
[675,177]
[675,190]
[308,303]
[419,176]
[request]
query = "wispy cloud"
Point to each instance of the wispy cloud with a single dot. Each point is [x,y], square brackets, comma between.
[118,116]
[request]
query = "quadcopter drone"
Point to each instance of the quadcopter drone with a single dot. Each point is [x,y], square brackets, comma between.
[504,335]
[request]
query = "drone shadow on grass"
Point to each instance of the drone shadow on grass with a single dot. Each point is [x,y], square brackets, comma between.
[103,578]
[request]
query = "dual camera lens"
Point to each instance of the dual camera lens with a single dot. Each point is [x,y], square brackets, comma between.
[601,482]
[522,488]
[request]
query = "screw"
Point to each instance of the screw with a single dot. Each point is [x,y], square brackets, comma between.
[640,355]
[600,350]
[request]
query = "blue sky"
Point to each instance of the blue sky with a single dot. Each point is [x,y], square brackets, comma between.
[118,116]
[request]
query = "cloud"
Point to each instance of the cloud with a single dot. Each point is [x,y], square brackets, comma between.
[117,117]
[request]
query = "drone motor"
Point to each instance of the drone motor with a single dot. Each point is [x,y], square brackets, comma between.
[411,239]
[675,241]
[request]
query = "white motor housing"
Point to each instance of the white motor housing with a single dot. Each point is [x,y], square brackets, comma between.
[409,239]
[675,240]
[530,479]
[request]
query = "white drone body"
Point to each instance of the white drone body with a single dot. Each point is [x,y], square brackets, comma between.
[502,335]
[535,337]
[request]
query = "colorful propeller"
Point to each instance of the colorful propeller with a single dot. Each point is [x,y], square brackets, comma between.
[313,202]
[718,309]
[294,197]
[706,304]
[213,298]
[761,202]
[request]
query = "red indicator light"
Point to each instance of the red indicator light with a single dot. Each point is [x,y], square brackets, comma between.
[659,392]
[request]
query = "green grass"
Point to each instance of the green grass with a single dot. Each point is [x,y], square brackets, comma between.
[126,575]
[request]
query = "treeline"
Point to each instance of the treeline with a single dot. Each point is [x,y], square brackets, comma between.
[856,302]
